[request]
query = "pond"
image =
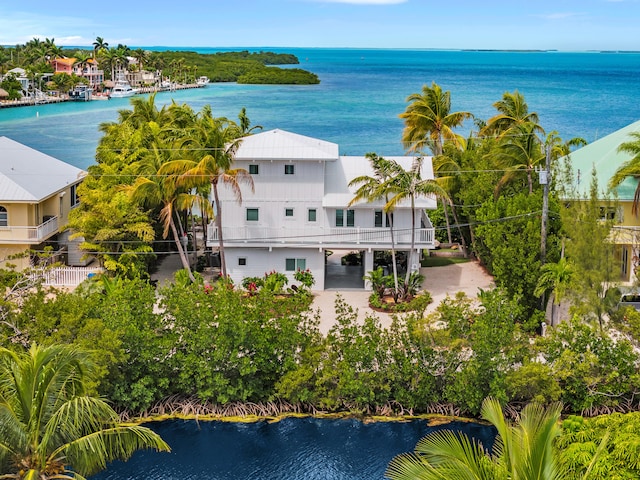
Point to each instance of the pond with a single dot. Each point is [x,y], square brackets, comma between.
[291,449]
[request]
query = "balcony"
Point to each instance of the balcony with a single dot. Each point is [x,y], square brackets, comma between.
[31,235]
[350,237]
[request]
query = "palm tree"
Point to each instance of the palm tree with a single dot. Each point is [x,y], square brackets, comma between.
[512,112]
[429,123]
[555,277]
[82,58]
[99,45]
[522,150]
[523,450]
[141,56]
[630,168]
[210,144]
[369,189]
[50,427]
[155,188]
[404,184]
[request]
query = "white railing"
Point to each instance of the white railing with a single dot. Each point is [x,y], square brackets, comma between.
[29,234]
[65,276]
[319,236]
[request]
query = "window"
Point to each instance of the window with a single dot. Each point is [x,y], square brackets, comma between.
[242,261]
[378,218]
[288,212]
[294,264]
[607,213]
[312,214]
[254,169]
[340,214]
[4,217]
[252,215]
[289,169]
[73,198]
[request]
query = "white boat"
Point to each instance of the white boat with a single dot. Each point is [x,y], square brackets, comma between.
[203,80]
[122,89]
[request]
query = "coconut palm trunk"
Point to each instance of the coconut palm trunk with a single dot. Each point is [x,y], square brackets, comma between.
[183,257]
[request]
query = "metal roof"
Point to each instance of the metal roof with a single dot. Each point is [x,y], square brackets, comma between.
[603,155]
[338,175]
[283,145]
[27,175]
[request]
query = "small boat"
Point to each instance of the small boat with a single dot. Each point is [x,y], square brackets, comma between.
[203,80]
[122,88]
[82,93]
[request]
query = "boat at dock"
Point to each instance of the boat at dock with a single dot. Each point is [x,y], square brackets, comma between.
[203,80]
[122,89]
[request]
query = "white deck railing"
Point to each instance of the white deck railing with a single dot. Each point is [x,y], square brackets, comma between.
[320,236]
[29,234]
[65,276]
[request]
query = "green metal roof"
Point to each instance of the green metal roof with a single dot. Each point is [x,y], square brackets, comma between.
[604,156]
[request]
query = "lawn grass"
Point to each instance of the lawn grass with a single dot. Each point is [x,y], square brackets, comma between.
[442,261]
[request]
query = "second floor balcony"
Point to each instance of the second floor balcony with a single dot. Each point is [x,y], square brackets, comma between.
[328,237]
[28,234]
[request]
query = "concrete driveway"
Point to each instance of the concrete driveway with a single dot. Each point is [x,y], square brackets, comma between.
[439,281]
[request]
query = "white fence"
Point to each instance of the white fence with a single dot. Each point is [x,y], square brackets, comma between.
[65,276]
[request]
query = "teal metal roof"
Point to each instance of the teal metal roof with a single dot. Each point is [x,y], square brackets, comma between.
[604,156]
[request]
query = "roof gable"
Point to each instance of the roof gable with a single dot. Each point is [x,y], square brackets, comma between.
[282,145]
[603,155]
[27,175]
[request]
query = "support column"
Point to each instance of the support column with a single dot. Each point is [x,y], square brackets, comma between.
[368,266]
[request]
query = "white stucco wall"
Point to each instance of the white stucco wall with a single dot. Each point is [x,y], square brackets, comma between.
[260,261]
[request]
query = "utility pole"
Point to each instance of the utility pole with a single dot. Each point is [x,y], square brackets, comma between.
[545,180]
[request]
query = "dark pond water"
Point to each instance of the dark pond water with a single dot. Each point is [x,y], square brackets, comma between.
[292,449]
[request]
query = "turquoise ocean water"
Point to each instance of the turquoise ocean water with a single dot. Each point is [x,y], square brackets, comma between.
[356,105]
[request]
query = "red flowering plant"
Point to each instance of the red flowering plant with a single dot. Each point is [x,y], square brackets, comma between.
[305,277]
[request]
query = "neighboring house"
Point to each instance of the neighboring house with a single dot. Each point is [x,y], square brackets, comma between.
[90,70]
[299,209]
[20,74]
[603,156]
[37,192]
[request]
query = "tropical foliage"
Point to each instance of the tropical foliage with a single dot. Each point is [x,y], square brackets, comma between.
[50,425]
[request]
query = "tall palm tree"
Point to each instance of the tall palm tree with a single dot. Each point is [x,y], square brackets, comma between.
[404,184]
[99,45]
[141,56]
[155,188]
[369,189]
[522,451]
[82,58]
[50,427]
[557,278]
[630,168]
[523,150]
[512,112]
[429,123]
[209,147]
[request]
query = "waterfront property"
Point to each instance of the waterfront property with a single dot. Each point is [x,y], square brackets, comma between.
[88,69]
[603,156]
[37,192]
[299,211]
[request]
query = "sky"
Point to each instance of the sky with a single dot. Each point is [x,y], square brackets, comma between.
[569,25]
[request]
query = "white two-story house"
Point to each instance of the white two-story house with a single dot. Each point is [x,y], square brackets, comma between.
[299,209]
